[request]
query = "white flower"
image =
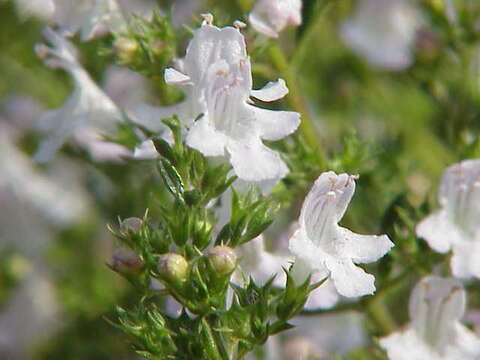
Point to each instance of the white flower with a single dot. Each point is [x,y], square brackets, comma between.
[270,17]
[88,16]
[217,82]
[434,332]
[383,31]
[86,113]
[457,224]
[321,245]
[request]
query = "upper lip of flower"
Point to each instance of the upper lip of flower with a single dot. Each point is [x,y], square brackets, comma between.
[436,306]
[459,193]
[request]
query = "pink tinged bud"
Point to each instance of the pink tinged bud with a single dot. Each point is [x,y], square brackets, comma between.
[159,46]
[125,261]
[222,259]
[131,224]
[173,268]
[428,45]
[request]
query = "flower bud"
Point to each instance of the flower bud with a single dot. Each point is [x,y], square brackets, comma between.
[222,260]
[125,48]
[428,45]
[173,268]
[131,224]
[125,261]
[159,46]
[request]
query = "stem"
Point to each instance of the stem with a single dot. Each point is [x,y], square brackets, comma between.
[378,312]
[211,322]
[295,100]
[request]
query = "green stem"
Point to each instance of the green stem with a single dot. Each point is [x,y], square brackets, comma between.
[216,341]
[209,345]
[295,100]
[377,311]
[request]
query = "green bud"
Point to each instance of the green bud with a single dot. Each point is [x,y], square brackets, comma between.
[125,48]
[436,4]
[173,268]
[222,260]
[125,261]
[131,224]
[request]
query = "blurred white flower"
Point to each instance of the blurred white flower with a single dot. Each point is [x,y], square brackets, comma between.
[321,246]
[19,114]
[434,332]
[51,199]
[260,264]
[86,113]
[457,224]
[383,31]
[146,150]
[43,9]
[270,17]
[88,16]
[217,82]
[118,84]
[330,334]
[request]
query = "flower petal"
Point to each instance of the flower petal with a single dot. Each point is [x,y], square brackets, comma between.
[261,25]
[438,231]
[146,150]
[350,280]
[253,161]
[211,44]
[324,297]
[151,116]
[275,125]
[465,262]
[206,138]
[388,43]
[407,345]
[325,205]
[467,345]
[459,195]
[58,135]
[271,92]
[436,304]
[364,249]
[174,77]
